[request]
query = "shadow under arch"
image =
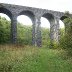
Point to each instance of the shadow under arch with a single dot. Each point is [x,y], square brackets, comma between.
[48,16]
[6,11]
[31,30]
[51,20]
[63,17]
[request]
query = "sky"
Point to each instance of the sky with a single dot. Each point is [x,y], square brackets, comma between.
[56,5]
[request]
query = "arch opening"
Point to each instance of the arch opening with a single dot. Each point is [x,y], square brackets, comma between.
[61,24]
[45,32]
[45,23]
[5,28]
[24,27]
[25,20]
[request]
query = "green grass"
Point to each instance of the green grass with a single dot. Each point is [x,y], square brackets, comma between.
[16,58]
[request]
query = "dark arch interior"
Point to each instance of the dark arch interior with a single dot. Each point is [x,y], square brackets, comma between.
[63,17]
[5,11]
[49,16]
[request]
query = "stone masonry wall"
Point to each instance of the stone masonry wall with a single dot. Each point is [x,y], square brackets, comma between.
[13,11]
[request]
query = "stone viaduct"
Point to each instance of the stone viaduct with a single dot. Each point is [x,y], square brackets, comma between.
[35,14]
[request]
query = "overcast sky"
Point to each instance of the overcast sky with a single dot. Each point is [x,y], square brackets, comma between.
[57,5]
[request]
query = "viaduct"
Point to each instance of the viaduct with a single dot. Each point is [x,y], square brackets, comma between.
[35,14]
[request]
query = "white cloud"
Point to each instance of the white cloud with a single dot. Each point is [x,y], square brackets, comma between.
[4,15]
[25,20]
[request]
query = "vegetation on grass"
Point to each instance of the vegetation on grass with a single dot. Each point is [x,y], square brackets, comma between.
[16,58]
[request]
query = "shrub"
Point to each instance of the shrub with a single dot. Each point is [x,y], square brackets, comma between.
[66,40]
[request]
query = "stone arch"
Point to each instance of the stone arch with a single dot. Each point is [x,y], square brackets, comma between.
[48,16]
[28,13]
[32,17]
[6,11]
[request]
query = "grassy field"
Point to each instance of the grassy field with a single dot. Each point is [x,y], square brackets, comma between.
[17,58]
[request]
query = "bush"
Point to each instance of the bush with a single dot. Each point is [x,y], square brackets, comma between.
[66,40]
[4,30]
[24,33]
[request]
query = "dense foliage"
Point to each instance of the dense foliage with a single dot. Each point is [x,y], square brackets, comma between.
[66,40]
[45,33]
[4,30]
[24,33]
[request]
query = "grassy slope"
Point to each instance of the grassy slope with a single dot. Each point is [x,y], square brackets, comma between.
[15,58]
